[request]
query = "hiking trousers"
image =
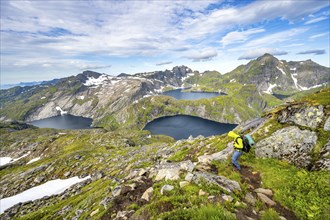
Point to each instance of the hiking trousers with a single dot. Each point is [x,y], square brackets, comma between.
[235,157]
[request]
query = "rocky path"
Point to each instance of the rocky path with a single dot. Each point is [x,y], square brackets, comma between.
[253,180]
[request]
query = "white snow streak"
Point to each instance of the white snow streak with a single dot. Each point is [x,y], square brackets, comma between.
[5,160]
[33,160]
[269,90]
[280,70]
[49,188]
[91,81]
[58,108]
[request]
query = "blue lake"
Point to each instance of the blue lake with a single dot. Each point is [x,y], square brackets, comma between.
[182,126]
[281,97]
[64,122]
[178,94]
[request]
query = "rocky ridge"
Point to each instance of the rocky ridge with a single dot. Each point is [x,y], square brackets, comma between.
[276,76]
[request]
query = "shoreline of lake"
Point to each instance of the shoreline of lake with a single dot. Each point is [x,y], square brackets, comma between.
[184,126]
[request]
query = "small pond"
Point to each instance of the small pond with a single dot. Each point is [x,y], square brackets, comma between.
[281,97]
[182,126]
[64,122]
[181,95]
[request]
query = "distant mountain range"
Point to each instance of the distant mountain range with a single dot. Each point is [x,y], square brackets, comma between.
[23,84]
[117,100]
[277,76]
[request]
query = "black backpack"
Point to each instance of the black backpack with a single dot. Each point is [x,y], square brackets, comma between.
[246,144]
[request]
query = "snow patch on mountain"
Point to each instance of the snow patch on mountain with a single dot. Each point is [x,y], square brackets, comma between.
[91,81]
[58,108]
[6,160]
[34,160]
[49,188]
[280,69]
[270,88]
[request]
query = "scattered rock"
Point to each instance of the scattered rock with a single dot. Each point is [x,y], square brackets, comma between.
[116,191]
[267,192]
[202,193]
[171,171]
[66,174]
[147,194]
[184,183]
[327,124]
[97,175]
[39,179]
[94,212]
[265,199]
[166,188]
[249,198]
[227,198]
[123,215]
[189,177]
[221,181]
[219,156]
[323,163]
[77,157]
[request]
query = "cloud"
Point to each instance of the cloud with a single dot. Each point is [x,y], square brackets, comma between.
[315,52]
[318,35]
[40,34]
[94,67]
[314,20]
[239,36]
[163,63]
[252,54]
[204,55]
[278,37]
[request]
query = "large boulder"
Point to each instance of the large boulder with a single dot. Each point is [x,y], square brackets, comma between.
[309,116]
[171,171]
[221,181]
[290,144]
[219,156]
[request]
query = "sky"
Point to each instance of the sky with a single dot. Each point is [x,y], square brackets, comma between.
[43,40]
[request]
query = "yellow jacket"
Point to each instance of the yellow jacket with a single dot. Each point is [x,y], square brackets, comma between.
[238,143]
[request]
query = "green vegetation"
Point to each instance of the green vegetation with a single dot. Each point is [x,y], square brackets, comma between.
[270,214]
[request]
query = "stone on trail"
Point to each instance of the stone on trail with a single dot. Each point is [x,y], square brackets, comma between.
[265,199]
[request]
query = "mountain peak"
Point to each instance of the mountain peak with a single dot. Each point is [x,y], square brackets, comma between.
[267,57]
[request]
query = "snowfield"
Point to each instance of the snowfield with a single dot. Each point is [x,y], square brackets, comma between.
[49,188]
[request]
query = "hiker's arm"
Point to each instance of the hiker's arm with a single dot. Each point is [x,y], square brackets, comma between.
[233,134]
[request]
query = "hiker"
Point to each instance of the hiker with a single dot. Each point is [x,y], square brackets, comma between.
[240,146]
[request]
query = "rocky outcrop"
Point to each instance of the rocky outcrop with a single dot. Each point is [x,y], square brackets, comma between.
[171,171]
[226,184]
[219,156]
[323,163]
[290,144]
[327,125]
[309,116]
